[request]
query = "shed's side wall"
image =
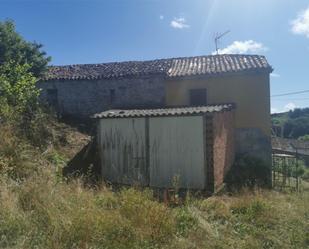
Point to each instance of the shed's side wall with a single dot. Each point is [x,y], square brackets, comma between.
[223,145]
[122,150]
[82,98]
[177,150]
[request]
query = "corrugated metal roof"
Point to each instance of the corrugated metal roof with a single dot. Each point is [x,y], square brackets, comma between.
[164,112]
[170,68]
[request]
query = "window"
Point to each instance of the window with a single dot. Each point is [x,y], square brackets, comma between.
[198,97]
[112,94]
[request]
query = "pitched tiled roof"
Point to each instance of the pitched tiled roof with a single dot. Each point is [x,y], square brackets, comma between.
[290,145]
[173,67]
[164,112]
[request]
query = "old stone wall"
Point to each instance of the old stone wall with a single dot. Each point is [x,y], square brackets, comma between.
[83,98]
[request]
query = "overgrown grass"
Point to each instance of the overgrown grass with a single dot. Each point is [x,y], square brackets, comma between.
[43,212]
[40,209]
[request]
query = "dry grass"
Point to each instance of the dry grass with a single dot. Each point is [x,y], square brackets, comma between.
[43,212]
[38,209]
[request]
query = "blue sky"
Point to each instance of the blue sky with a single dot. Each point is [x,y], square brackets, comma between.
[94,31]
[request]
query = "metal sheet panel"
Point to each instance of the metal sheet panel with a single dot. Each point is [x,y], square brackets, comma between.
[177,149]
[122,150]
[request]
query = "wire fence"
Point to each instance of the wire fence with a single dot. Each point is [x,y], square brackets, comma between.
[287,172]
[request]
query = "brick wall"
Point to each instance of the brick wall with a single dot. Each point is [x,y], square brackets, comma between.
[209,144]
[83,98]
[223,146]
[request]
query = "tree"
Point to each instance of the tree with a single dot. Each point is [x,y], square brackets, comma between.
[304,138]
[13,48]
[19,104]
[17,87]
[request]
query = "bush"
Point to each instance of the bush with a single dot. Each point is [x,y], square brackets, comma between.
[19,104]
[249,172]
[185,221]
[306,174]
[17,86]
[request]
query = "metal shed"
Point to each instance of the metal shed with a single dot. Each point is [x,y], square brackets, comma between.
[150,147]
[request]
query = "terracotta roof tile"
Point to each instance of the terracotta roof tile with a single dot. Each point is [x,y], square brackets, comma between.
[173,67]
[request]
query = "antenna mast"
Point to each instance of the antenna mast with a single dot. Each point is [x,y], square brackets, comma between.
[219,36]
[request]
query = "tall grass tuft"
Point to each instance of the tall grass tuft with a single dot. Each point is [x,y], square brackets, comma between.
[39,209]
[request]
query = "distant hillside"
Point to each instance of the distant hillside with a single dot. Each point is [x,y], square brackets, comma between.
[292,124]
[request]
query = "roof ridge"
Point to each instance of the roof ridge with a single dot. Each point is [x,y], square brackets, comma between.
[159,59]
[169,67]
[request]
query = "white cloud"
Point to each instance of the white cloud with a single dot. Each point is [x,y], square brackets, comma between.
[274,75]
[289,107]
[243,47]
[179,23]
[274,110]
[300,25]
[161,17]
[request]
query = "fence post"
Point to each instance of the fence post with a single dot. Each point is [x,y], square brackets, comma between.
[297,184]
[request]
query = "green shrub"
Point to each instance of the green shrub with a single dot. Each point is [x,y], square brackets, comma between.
[249,172]
[306,174]
[185,221]
[18,87]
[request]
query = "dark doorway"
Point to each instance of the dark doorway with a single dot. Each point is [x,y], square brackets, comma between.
[198,97]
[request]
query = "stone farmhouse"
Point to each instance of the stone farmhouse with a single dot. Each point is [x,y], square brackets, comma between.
[241,80]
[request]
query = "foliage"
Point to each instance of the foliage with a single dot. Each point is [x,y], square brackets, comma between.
[185,221]
[14,48]
[306,174]
[42,212]
[304,137]
[290,168]
[15,155]
[292,124]
[297,127]
[249,172]
[21,62]
[298,112]
[17,87]
[38,210]
[19,104]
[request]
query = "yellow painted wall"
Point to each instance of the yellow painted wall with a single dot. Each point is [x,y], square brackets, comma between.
[250,93]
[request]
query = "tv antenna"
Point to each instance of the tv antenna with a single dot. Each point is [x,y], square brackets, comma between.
[219,36]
